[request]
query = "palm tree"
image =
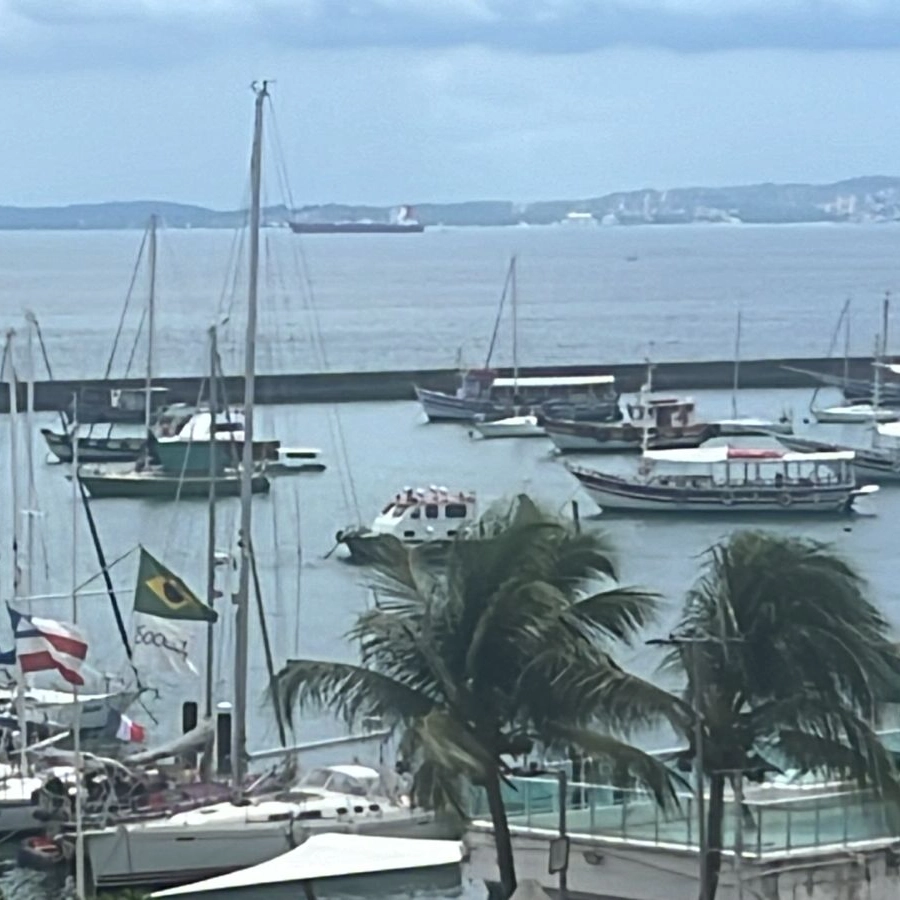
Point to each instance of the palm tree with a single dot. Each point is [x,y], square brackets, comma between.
[481,658]
[783,655]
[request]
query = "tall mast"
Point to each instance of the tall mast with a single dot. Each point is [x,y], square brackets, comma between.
[31,511]
[211,519]
[846,342]
[737,367]
[515,325]
[14,459]
[239,733]
[151,322]
[885,316]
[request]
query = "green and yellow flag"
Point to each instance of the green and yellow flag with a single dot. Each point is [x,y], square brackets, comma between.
[162,593]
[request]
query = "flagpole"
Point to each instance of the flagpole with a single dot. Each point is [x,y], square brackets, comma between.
[79,831]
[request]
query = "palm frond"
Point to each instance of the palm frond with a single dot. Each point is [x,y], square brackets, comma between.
[353,692]
[650,772]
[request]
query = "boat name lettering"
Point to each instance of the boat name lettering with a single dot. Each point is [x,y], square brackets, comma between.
[158,639]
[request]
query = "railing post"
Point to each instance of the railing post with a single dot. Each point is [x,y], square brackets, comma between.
[787,837]
[690,822]
[625,813]
[527,786]
[816,838]
[592,795]
[759,833]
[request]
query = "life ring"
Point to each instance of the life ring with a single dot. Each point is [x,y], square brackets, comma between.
[785,500]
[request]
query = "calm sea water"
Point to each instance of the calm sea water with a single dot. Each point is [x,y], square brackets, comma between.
[408,302]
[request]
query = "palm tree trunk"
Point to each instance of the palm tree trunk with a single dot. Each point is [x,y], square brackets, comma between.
[502,839]
[714,822]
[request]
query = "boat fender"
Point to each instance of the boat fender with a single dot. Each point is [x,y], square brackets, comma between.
[338,536]
[785,500]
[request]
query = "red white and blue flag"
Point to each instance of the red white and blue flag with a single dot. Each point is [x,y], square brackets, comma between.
[118,725]
[45,645]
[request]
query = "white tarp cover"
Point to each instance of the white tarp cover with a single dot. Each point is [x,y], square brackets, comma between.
[333,856]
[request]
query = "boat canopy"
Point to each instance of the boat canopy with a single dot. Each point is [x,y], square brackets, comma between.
[709,455]
[540,381]
[333,856]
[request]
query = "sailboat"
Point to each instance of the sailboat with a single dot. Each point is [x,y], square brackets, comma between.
[249,830]
[519,425]
[482,395]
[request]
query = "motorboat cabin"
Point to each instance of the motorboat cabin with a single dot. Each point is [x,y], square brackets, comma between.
[433,516]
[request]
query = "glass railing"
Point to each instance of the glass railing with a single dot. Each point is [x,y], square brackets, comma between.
[813,817]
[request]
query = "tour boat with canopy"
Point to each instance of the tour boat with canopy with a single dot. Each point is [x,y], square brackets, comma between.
[723,479]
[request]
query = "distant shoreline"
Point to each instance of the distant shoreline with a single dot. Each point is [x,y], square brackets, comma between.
[864,200]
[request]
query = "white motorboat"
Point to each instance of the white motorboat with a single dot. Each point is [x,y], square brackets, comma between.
[431,516]
[513,427]
[749,426]
[856,414]
[729,480]
[225,837]
[293,460]
[328,856]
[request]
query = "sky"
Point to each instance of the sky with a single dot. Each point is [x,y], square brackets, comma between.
[405,101]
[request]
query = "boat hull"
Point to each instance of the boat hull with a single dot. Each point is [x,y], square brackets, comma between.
[588,437]
[162,855]
[521,427]
[850,415]
[614,493]
[368,548]
[148,486]
[356,228]
[441,407]
[91,449]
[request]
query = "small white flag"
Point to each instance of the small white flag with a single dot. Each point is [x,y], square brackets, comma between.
[162,642]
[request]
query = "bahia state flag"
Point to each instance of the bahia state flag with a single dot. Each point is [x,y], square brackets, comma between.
[160,592]
[45,645]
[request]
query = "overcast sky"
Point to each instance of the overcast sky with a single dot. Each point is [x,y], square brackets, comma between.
[392,101]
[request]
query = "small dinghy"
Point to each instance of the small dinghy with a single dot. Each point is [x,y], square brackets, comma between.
[512,427]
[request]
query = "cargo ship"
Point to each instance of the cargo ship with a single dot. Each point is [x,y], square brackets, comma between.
[403,223]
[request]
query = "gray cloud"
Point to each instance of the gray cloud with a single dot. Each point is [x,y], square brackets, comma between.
[99,33]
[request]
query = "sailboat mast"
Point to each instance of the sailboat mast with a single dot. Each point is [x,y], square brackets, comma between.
[14,458]
[151,324]
[515,326]
[239,732]
[31,511]
[211,518]
[885,316]
[846,343]
[737,367]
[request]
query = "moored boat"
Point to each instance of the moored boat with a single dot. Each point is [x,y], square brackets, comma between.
[512,427]
[877,459]
[294,460]
[155,484]
[482,393]
[854,414]
[94,449]
[188,449]
[225,837]
[434,516]
[730,480]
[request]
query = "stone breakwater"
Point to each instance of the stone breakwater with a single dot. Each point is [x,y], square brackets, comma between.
[354,387]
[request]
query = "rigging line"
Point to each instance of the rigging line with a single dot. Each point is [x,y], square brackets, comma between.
[499,319]
[171,532]
[109,567]
[267,645]
[298,528]
[134,276]
[845,310]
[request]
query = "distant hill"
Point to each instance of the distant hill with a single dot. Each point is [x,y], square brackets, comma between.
[867,199]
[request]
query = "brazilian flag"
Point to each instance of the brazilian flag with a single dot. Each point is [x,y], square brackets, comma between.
[162,593]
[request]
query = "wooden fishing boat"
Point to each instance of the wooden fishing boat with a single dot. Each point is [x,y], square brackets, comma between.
[728,480]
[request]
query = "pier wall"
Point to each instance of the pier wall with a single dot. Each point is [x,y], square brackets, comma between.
[348,387]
